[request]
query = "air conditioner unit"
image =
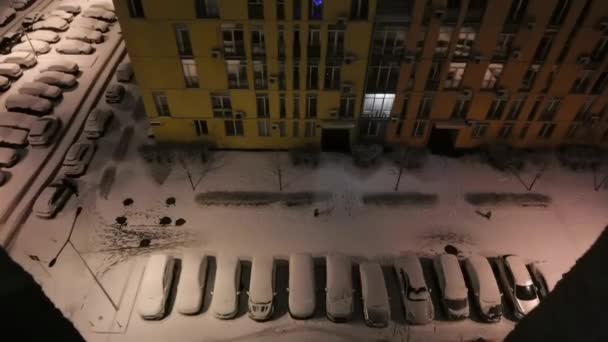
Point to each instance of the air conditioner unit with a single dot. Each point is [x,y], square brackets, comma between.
[342,20]
[531,23]
[239,115]
[216,53]
[583,60]
[409,59]
[439,13]
[347,87]
[333,112]
[516,54]
[501,93]
[349,59]
[468,93]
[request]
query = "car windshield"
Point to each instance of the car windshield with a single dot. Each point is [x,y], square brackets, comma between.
[417,294]
[456,304]
[525,292]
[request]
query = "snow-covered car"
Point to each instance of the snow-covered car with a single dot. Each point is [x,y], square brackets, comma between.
[484,288]
[56,78]
[39,46]
[12,70]
[520,287]
[78,158]
[43,35]
[68,7]
[20,4]
[339,289]
[191,283]
[124,72]
[8,157]
[6,15]
[61,65]
[44,90]
[376,309]
[51,23]
[23,58]
[4,177]
[155,286]
[100,14]
[31,18]
[13,137]
[97,122]
[105,5]
[54,197]
[115,93]
[84,34]
[5,83]
[28,104]
[67,16]
[16,120]
[415,293]
[8,40]
[301,286]
[74,47]
[92,24]
[225,302]
[43,130]
[452,287]
[261,288]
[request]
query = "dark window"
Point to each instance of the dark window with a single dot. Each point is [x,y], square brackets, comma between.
[515,109]
[496,109]
[262,106]
[255,9]
[544,47]
[296,43]
[315,9]
[517,10]
[537,103]
[297,9]
[546,132]
[505,131]
[559,12]
[161,104]
[282,107]
[182,36]
[201,127]
[281,9]
[234,128]
[312,76]
[600,49]
[347,107]
[206,8]
[311,106]
[296,77]
[600,84]
[136,9]
[359,9]
[475,11]
[524,131]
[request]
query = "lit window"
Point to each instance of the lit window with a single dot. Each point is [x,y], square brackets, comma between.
[378,105]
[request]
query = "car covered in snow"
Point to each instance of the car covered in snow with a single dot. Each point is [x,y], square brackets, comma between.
[92,24]
[376,309]
[99,13]
[74,47]
[103,4]
[68,7]
[43,35]
[5,83]
[8,157]
[301,286]
[40,47]
[16,120]
[97,122]
[261,288]
[155,286]
[13,137]
[56,78]
[67,16]
[8,40]
[483,286]
[43,130]
[452,287]
[25,59]
[20,4]
[78,158]
[415,293]
[51,23]
[12,70]
[28,104]
[54,197]
[124,72]
[115,93]
[191,283]
[31,18]
[6,15]
[61,65]
[339,288]
[225,302]
[520,287]
[84,34]
[40,89]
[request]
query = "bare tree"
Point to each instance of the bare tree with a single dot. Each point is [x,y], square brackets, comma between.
[277,168]
[538,174]
[197,162]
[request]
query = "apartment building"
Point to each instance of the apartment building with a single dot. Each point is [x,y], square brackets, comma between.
[276,74]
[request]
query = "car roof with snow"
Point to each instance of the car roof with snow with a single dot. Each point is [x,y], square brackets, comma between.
[23,100]
[155,270]
[7,154]
[225,287]
[488,287]
[373,286]
[40,126]
[16,119]
[519,270]
[10,67]
[410,264]
[301,284]
[260,286]
[18,54]
[455,287]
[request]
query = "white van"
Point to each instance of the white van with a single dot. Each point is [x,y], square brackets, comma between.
[484,288]
[225,303]
[191,283]
[261,288]
[376,309]
[339,290]
[454,294]
[155,286]
[301,286]
[8,157]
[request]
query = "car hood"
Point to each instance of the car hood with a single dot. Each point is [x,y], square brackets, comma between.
[224,306]
[527,305]
[150,306]
[339,304]
[419,312]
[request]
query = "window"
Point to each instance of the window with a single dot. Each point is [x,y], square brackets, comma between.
[281,45]
[420,41]
[370,128]
[282,128]
[491,76]
[419,128]
[237,74]
[359,9]
[311,106]
[222,107]
[461,108]
[534,109]
[432,82]
[296,42]
[190,73]
[560,11]
[504,45]
[584,112]
[524,131]
[475,11]
[544,46]
[464,44]
[505,131]
[581,83]
[347,107]
[258,43]
[443,41]
[255,9]
[530,76]
[296,106]
[454,76]
[332,77]
[515,109]
[452,11]
[136,9]
[315,9]
[282,106]
[161,104]
[573,130]
[296,76]
[517,10]
[182,36]
[234,128]
[312,76]
[546,131]
[281,9]
[263,128]
[262,107]
[479,130]
[260,80]
[296,129]
[382,77]
[201,127]
[314,41]
[309,129]
[378,105]
[424,110]
[600,50]
[496,109]
[600,83]
[551,109]
[389,40]
[206,8]
[297,10]
[232,36]
[281,77]
[335,41]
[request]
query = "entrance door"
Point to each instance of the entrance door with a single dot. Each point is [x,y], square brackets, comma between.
[442,140]
[335,140]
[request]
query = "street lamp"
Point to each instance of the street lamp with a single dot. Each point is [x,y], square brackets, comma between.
[25,26]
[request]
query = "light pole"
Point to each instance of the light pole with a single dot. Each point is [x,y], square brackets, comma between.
[24,27]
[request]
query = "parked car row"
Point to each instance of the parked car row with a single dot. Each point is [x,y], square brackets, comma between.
[483,288]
